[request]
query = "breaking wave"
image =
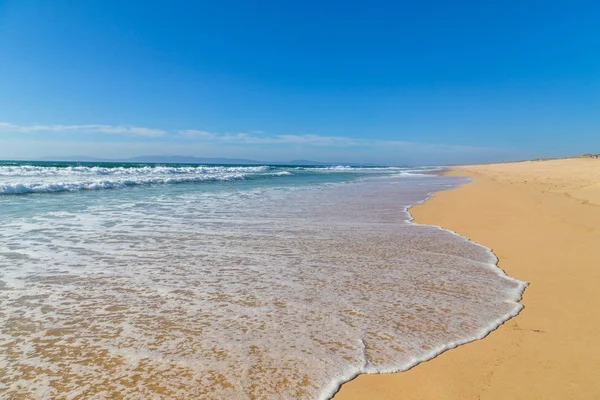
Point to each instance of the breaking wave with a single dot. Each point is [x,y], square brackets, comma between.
[30,177]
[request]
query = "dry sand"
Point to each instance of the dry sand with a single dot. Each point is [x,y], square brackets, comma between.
[542,219]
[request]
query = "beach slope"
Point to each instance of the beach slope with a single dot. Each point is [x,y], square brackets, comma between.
[542,220]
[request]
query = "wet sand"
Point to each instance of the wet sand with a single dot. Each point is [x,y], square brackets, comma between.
[542,219]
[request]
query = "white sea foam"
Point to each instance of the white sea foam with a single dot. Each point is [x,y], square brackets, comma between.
[349,168]
[36,170]
[262,293]
[24,179]
[98,184]
[281,173]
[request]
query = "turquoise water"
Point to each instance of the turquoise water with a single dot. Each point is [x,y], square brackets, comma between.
[91,182]
[237,282]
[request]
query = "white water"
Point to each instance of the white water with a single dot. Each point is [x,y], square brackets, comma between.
[258,293]
[23,179]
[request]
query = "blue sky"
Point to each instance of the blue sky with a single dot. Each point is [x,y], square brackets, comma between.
[367,81]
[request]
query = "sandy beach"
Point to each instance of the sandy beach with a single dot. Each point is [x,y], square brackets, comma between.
[542,220]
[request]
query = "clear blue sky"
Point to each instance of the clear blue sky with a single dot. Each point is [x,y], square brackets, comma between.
[372,81]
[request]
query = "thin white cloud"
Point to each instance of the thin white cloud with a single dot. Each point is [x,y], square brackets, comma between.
[196,134]
[108,129]
[259,137]
[254,137]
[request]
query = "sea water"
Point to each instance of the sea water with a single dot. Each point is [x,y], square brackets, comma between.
[229,282]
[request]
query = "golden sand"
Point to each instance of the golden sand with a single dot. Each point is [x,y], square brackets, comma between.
[542,219]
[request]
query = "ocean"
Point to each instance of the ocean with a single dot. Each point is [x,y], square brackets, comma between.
[229,281]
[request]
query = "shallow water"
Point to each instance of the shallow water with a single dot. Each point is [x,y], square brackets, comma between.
[237,290]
